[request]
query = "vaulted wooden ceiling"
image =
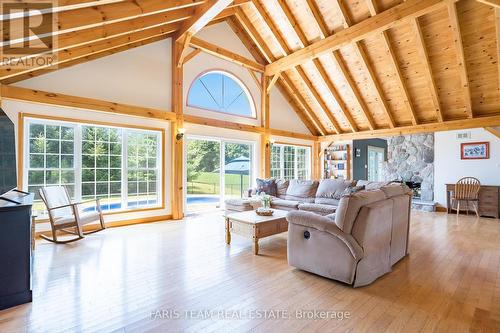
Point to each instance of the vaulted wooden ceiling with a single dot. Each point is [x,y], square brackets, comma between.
[346,66]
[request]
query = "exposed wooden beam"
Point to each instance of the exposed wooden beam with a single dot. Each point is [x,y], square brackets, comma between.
[264,102]
[83,103]
[494,3]
[375,24]
[82,51]
[184,47]
[225,54]
[448,125]
[462,65]
[393,58]
[337,59]
[259,47]
[191,55]
[274,79]
[255,78]
[494,130]
[424,59]
[285,49]
[497,33]
[202,15]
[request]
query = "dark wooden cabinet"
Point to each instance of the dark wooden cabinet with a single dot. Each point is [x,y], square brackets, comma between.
[15,250]
[489,200]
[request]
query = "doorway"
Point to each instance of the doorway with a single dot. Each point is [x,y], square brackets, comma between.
[216,170]
[376,158]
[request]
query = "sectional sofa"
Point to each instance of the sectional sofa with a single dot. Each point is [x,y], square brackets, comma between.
[350,231]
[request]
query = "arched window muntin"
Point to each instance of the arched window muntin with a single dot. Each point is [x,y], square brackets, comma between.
[245,93]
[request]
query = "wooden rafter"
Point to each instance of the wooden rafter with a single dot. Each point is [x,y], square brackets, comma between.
[365,61]
[373,25]
[83,51]
[337,59]
[202,15]
[301,72]
[424,59]
[259,48]
[448,125]
[497,33]
[395,64]
[462,65]
[494,130]
[494,3]
[191,55]
[226,54]
[319,67]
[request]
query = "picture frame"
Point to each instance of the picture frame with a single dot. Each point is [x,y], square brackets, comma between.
[475,150]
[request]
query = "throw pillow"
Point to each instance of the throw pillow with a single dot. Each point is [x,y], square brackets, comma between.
[352,189]
[267,186]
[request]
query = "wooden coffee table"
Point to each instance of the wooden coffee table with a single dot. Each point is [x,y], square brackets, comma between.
[251,225]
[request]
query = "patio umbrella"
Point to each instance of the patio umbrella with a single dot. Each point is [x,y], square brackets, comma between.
[238,166]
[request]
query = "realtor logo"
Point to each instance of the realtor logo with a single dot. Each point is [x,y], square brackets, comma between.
[27,34]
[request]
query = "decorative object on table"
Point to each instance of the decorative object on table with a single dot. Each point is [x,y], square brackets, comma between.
[267,186]
[266,201]
[261,211]
[337,162]
[475,151]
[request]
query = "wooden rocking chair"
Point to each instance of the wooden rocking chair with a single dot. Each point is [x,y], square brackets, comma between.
[467,189]
[65,215]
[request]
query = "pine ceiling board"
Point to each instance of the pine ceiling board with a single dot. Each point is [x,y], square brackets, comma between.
[357,10]
[477,23]
[384,69]
[358,73]
[403,41]
[331,14]
[263,30]
[443,59]
[304,16]
[386,4]
[280,20]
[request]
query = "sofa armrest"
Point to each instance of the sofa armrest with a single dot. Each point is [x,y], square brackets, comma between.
[325,224]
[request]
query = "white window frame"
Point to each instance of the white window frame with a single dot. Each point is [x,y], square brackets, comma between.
[281,171]
[77,160]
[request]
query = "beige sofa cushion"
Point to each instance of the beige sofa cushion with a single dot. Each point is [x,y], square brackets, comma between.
[301,190]
[285,204]
[393,190]
[330,191]
[320,209]
[349,207]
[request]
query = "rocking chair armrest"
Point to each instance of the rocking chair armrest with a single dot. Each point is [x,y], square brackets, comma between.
[62,206]
[85,201]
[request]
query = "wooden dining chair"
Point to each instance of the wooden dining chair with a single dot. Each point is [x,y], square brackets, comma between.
[467,189]
[66,216]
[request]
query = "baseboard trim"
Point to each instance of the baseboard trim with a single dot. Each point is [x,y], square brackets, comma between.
[441,209]
[116,224]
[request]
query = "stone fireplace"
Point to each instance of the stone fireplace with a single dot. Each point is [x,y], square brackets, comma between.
[410,159]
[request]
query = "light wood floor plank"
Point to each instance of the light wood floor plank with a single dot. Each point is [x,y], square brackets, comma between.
[113,281]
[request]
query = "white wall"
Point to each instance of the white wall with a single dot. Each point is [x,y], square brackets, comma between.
[448,167]
[139,76]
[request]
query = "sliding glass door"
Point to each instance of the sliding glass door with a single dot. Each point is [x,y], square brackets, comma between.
[216,170]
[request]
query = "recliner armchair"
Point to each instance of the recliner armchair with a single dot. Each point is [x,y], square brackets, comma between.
[361,242]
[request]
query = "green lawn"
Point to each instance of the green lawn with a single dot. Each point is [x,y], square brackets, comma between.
[209,183]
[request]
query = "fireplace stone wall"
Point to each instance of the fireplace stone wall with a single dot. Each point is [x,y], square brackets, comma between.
[411,158]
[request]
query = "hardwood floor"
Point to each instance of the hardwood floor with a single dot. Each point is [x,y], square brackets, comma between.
[128,279]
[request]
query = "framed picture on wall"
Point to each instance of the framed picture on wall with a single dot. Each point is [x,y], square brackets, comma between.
[475,150]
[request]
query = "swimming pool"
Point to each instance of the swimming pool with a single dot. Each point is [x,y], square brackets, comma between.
[201,199]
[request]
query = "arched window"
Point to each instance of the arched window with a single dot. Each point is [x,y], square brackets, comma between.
[222,92]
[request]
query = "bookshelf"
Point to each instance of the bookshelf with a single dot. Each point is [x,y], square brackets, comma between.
[337,162]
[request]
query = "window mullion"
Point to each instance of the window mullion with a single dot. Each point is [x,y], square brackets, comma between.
[124,172]
[77,161]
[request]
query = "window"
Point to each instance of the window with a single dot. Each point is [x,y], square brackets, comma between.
[119,166]
[290,162]
[221,92]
